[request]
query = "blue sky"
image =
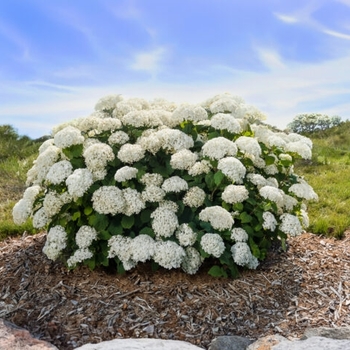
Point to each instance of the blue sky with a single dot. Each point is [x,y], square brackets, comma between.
[59,57]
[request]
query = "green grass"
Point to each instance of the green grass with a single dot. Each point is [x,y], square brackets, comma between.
[329,174]
[16,158]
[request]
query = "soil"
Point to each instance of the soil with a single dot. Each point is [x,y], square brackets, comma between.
[307,286]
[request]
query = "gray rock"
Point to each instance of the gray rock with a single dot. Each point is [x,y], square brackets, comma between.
[13,337]
[334,333]
[267,342]
[314,343]
[140,344]
[227,342]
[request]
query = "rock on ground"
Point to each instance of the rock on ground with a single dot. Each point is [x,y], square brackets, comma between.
[227,342]
[140,344]
[13,337]
[314,343]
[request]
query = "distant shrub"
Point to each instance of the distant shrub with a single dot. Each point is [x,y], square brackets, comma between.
[139,180]
[308,123]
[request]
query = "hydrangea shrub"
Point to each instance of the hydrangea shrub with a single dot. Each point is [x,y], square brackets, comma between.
[138,181]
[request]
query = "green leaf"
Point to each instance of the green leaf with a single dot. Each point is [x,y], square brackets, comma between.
[238,206]
[218,177]
[209,180]
[245,218]
[104,235]
[115,228]
[76,216]
[217,271]
[254,248]
[269,160]
[98,221]
[147,231]
[87,211]
[127,221]
[91,263]
[145,216]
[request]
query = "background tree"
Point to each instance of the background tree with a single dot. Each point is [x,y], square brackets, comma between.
[310,122]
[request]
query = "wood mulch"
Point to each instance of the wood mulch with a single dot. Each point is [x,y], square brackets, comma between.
[307,286]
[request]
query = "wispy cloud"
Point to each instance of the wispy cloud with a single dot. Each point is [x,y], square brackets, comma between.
[337,34]
[149,61]
[270,58]
[286,18]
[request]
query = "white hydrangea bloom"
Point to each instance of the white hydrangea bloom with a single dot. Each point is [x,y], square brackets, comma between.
[213,244]
[225,103]
[235,194]
[258,180]
[303,190]
[300,148]
[285,156]
[108,200]
[132,104]
[52,203]
[194,197]
[174,140]
[133,201]
[142,248]
[289,202]
[290,224]
[277,141]
[59,172]
[271,169]
[108,124]
[294,137]
[273,194]
[248,145]
[153,193]
[218,148]
[56,241]
[152,179]
[270,222]
[168,254]
[137,119]
[170,205]
[118,138]
[189,112]
[222,121]
[89,142]
[79,182]
[42,165]
[68,136]
[130,153]
[232,168]
[40,218]
[151,143]
[238,234]
[79,256]
[129,264]
[241,254]
[85,236]
[198,168]
[120,247]
[218,217]
[108,102]
[97,156]
[304,218]
[192,261]
[164,222]
[21,211]
[185,235]
[45,145]
[31,193]
[125,173]
[183,159]
[174,184]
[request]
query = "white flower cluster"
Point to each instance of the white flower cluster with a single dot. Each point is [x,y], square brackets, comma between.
[290,224]
[242,255]
[165,222]
[108,200]
[174,184]
[125,173]
[232,168]
[183,159]
[56,241]
[235,194]
[59,172]
[219,218]
[185,235]
[213,244]
[218,148]
[238,234]
[194,197]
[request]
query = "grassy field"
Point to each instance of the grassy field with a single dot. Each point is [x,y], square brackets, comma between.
[328,173]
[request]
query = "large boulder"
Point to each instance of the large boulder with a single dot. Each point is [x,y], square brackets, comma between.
[14,337]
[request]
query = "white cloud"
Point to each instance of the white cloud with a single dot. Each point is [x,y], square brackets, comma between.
[270,58]
[149,61]
[337,34]
[286,18]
